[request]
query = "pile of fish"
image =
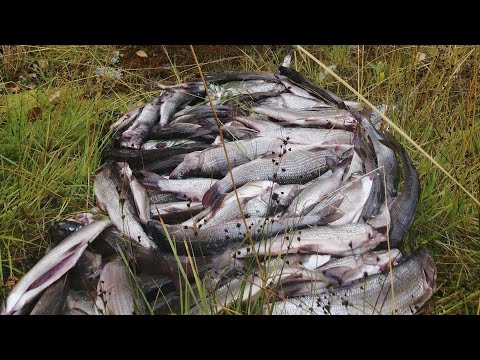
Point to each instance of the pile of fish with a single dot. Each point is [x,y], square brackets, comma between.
[257,193]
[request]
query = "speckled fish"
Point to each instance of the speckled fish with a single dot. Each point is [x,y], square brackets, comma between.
[192,188]
[79,303]
[134,136]
[350,239]
[85,273]
[172,102]
[290,101]
[413,284]
[51,267]
[213,162]
[244,87]
[157,197]
[403,207]
[127,119]
[53,299]
[292,168]
[114,291]
[176,211]
[328,117]
[212,239]
[350,268]
[123,217]
[140,195]
[309,197]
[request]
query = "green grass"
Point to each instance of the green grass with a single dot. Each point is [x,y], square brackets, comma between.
[46,161]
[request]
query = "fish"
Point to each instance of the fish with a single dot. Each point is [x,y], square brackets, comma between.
[153,286]
[340,240]
[301,80]
[348,269]
[213,162]
[134,136]
[188,189]
[327,117]
[141,158]
[59,230]
[414,282]
[176,211]
[120,209]
[85,273]
[293,167]
[79,303]
[51,267]
[291,101]
[195,114]
[244,88]
[52,300]
[157,197]
[165,166]
[127,119]
[140,195]
[310,196]
[214,239]
[403,207]
[287,60]
[162,144]
[172,102]
[114,291]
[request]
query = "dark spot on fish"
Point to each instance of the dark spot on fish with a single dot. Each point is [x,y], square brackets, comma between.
[412,296]
[362,288]
[378,258]
[327,308]
[226,230]
[195,233]
[287,262]
[276,163]
[310,308]
[365,274]
[288,138]
[250,227]
[188,205]
[350,244]
[273,160]
[227,237]
[301,263]
[340,281]
[238,225]
[274,196]
[324,272]
[102,281]
[185,227]
[300,232]
[298,238]
[299,305]
[248,249]
[273,153]
[200,226]
[234,256]
[285,142]
[290,149]
[286,237]
[123,217]
[280,155]
[274,176]
[239,252]
[345,303]
[283,169]
[288,247]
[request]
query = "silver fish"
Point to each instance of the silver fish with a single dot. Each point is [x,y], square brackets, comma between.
[192,189]
[140,195]
[176,208]
[114,291]
[290,101]
[292,167]
[213,161]
[126,119]
[309,197]
[350,268]
[133,137]
[123,217]
[350,239]
[51,267]
[413,284]
[53,299]
[332,118]
[172,102]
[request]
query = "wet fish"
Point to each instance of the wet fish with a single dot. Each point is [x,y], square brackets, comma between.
[403,207]
[59,230]
[140,195]
[327,117]
[127,119]
[177,211]
[53,299]
[351,268]
[165,166]
[291,101]
[413,284]
[157,197]
[301,80]
[51,267]
[213,239]
[120,209]
[171,103]
[244,87]
[114,291]
[79,303]
[85,273]
[310,197]
[192,189]
[292,167]
[162,144]
[213,162]
[134,136]
[350,239]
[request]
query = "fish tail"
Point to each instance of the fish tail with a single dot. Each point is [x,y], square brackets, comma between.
[213,198]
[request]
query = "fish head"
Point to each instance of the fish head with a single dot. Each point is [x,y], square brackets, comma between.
[190,163]
[130,139]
